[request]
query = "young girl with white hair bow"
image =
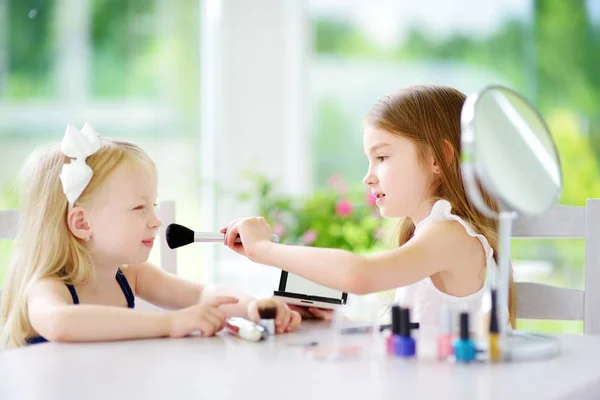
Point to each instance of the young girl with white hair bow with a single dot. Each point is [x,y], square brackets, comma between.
[87,226]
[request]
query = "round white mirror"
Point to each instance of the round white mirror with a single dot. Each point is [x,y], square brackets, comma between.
[510,149]
[507,148]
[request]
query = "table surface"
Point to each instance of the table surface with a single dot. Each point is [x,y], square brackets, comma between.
[281,367]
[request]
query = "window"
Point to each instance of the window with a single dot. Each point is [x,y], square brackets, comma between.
[547,50]
[129,67]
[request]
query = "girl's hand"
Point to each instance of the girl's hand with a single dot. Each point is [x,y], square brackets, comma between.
[205,318]
[286,320]
[313,312]
[251,232]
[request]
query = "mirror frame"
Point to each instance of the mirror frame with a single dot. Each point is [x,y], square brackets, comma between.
[475,172]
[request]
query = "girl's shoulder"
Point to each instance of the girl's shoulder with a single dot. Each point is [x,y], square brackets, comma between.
[442,211]
[443,225]
[49,287]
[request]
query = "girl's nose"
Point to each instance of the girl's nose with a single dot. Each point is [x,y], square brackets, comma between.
[154,221]
[369,178]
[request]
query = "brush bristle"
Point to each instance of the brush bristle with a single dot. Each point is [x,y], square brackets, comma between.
[267,309]
[178,235]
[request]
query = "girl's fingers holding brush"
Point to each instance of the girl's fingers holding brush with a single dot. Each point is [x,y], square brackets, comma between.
[293,321]
[253,314]
[286,319]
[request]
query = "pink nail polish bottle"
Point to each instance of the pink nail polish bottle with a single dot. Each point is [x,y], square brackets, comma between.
[446,337]
[395,329]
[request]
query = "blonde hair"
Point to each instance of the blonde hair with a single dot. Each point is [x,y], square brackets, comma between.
[430,117]
[45,247]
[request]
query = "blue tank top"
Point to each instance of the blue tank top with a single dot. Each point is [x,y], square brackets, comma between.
[121,279]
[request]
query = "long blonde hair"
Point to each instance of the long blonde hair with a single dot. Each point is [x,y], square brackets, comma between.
[430,117]
[45,247]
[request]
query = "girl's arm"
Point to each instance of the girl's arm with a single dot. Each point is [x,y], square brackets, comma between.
[440,247]
[169,291]
[53,316]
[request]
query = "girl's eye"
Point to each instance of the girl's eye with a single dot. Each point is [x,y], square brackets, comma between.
[381,158]
[140,207]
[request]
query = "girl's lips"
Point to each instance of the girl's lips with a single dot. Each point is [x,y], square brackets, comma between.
[148,242]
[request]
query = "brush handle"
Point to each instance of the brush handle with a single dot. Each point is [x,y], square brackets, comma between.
[215,237]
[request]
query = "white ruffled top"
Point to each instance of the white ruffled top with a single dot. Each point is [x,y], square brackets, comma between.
[424,298]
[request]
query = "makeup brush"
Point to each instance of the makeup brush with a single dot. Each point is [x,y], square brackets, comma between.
[246,329]
[179,235]
[267,309]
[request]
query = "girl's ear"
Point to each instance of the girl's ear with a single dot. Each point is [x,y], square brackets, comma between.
[448,152]
[78,224]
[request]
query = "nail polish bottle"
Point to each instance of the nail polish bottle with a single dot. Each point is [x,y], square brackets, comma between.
[446,337]
[495,352]
[395,329]
[464,347]
[404,344]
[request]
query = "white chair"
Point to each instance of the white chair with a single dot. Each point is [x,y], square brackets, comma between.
[9,220]
[9,224]
[168,257]
[539,301]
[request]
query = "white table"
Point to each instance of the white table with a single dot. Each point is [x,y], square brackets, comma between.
[229,368]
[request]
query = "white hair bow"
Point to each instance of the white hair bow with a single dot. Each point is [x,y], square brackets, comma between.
[76,175]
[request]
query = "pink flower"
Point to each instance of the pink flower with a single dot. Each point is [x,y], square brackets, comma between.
[335,180]
[279,230]
[309,237]
[371,199]
[344,208]
[337,183]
